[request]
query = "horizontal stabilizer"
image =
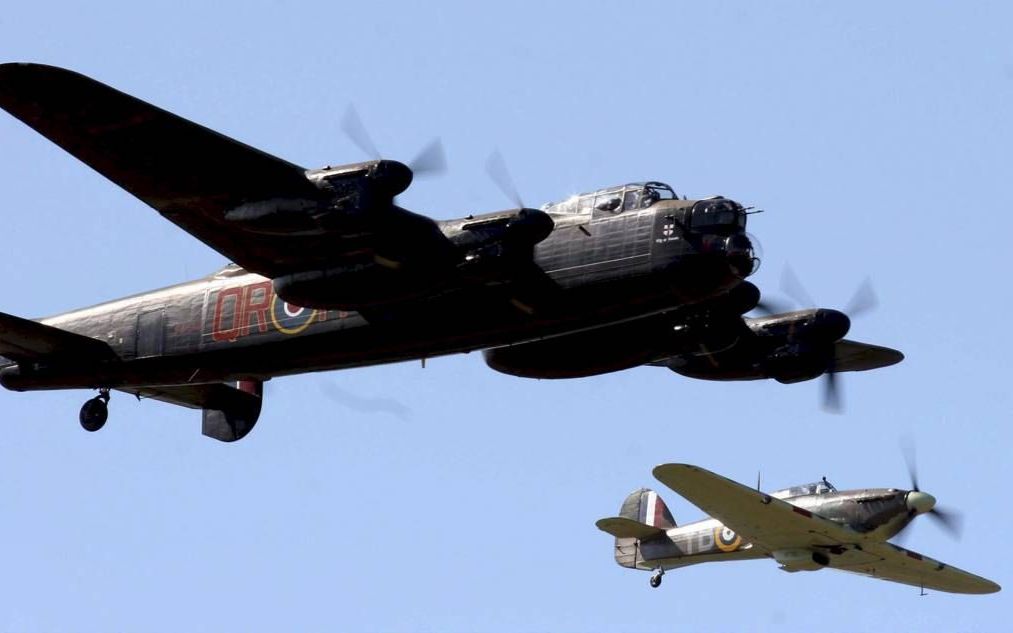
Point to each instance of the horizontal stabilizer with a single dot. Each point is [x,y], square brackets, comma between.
[621,527]
[25,340]
[229,411]
[855,356]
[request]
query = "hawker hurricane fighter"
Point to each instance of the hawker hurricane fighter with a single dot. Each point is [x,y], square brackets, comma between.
[331,273]
[803,528]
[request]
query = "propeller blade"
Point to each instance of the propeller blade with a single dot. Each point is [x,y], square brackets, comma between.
[863,300]
[791,286]
[354,129]
[831,393]
[951,522]
[496,167]
[769,307]
[907,447]
[430,161]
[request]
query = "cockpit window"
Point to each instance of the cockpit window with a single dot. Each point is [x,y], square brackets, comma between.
[631,197]
[658,191]
[631,200]
[608,201]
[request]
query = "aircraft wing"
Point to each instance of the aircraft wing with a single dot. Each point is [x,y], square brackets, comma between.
[194,176]
[22,339]
[768,523]
[890,562]
[855,356]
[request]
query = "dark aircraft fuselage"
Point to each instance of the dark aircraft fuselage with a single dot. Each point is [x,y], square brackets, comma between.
[605,265]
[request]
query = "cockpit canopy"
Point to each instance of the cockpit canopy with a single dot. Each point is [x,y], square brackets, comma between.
[629,197]
[821,487]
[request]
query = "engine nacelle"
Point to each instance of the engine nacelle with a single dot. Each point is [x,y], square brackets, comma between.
[792,560]
[486,238]
[375,180]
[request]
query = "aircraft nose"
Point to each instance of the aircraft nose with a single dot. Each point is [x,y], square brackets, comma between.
[920,502]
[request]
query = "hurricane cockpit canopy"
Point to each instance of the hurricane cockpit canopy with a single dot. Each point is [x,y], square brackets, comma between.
[629,197]
[821,487]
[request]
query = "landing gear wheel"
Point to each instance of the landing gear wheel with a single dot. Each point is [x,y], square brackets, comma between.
[656,578]
[95,412]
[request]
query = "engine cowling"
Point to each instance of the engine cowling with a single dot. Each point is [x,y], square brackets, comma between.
[797,362]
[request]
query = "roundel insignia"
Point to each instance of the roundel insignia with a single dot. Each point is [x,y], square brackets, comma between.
[289,318]
[726,539]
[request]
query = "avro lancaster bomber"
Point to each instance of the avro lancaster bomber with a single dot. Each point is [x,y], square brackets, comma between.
[331,273]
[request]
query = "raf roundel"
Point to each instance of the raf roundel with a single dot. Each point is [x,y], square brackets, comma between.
[289,318]
[726,539]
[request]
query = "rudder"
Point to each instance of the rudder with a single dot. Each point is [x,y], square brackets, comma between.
[647,507]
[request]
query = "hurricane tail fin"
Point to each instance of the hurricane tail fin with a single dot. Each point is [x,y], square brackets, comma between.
[647,507]
[643,516]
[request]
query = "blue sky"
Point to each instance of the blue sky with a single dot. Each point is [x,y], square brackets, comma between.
[393,498]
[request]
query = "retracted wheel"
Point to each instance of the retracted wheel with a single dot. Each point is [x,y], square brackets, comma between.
[94,413]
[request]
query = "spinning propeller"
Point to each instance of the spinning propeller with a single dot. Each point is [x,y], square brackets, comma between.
[431,159]
[497,169]
[863,300]
[919,502]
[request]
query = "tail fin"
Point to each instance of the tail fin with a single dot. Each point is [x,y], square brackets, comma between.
[645,506]
[643,516]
